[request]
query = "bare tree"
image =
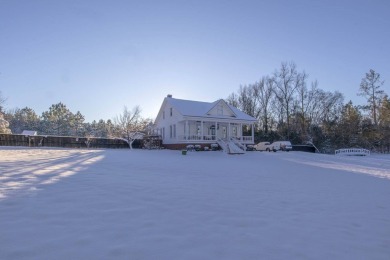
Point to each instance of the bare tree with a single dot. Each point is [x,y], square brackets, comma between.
[264,91]
[129,124]
[309,102]
[232,99]
[247,100]
[370,88]
[288,80]
[89,140]
[331,105]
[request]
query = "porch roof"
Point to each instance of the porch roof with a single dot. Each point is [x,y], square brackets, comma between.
[201,109]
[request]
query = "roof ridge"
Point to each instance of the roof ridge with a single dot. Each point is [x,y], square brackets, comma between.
[193,100]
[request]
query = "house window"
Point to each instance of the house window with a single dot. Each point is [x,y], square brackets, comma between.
[174,131]
[170,111]
[163,132]
[198,130]
[170,131]
[212,130]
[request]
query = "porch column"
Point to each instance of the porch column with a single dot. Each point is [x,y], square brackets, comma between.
[188,131]
[229,131]
[253,133]
[241,132]
[201,131]
[216,130]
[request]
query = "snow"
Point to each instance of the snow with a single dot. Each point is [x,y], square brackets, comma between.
[29,132]
[200,109]
[160,204]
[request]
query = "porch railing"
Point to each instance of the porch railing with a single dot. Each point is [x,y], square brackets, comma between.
[196,137]
[209,137]
[245,139]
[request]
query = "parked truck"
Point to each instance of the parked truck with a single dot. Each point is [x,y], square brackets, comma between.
[264,146]
[275,146]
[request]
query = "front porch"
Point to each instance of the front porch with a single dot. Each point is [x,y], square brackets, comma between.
[210,131]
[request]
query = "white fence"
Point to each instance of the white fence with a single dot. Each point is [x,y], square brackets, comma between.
[352,151]
[247,138]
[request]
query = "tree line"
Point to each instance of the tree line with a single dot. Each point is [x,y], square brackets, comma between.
[60,121]
[286,105]
[289,107]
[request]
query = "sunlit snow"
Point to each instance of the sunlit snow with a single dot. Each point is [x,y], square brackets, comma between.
[141,204]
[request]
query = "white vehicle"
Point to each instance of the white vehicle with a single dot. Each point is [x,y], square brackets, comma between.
[282,146]
[264,146]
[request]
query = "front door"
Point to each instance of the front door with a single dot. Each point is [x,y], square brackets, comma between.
[234,128]
[224,132]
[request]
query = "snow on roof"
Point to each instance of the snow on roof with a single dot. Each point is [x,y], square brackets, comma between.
[200,109]
[29,132]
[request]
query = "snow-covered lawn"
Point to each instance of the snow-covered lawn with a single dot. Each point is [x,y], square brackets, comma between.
[139,204]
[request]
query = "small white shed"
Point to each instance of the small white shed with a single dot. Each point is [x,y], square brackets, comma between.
[29,132]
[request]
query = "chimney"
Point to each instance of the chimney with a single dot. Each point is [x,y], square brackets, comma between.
[169,95]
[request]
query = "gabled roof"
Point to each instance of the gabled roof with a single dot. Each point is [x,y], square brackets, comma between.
[220,107]
[202,109]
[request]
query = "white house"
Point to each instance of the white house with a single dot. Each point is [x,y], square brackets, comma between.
[183,122]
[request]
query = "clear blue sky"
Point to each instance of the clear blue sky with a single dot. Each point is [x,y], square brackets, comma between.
[99,56]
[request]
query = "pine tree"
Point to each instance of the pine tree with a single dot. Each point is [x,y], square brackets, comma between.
[57,120]
[23,119]
[77,123]
[349,126]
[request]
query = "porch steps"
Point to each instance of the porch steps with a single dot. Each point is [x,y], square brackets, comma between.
[237,143]
[230,147]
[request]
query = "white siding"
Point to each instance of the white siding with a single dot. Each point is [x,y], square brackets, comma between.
[170,123]
[221,109]
[173,125]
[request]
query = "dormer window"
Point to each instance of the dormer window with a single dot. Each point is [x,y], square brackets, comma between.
[170,111]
